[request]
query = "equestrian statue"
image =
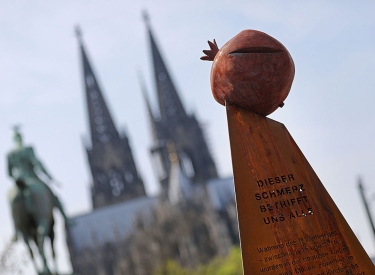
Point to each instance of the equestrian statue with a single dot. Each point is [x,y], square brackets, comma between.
[32,201]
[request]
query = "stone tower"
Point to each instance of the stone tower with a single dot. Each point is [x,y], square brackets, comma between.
[114,174]
[173,124]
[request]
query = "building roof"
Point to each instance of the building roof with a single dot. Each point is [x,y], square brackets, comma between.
[115,222]
[108,224]
[221,192]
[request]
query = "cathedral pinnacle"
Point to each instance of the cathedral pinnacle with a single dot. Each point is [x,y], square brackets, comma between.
[78,33]
[146,18]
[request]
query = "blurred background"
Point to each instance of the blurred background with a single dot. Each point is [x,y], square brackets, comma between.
[329,110]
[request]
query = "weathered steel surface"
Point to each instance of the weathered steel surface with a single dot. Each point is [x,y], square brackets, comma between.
[288,222]
[252,70]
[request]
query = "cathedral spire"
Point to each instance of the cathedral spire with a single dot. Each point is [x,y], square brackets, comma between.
[175,125]
[153,123]
[170,106]
[102,127]
[115,177]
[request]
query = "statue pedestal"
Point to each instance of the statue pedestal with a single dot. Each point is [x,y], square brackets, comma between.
[288,222]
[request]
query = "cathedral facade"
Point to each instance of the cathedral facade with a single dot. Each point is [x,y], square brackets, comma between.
[128,232]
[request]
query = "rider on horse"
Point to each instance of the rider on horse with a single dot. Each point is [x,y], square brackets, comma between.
[22,166]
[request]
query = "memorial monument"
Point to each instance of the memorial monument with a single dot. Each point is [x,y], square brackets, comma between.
[32,201]
[288,222]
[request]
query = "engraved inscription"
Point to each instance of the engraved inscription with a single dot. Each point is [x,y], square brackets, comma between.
[289,200]
[317,251]
[283,197]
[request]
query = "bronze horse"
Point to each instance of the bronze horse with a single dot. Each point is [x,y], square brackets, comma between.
[33,217]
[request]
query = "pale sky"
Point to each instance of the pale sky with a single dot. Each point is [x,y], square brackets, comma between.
[329,110]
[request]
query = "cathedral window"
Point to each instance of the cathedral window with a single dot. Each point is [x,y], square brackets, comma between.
[90,81]
[116,192]
[162,76]
[115,181]
[100,128]
[99,120]
[129,176]
[101,178]
[94,94]
[95,103]
[187,165]
[104,138]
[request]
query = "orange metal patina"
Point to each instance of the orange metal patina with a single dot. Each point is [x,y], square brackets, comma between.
[289,224]
[252,70]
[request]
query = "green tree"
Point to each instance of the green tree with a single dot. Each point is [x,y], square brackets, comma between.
[171,267]
[229,265]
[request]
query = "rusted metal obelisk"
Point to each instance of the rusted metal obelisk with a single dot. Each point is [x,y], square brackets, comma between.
[288,222]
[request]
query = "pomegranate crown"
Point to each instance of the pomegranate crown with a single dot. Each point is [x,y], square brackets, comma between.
[211,53]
